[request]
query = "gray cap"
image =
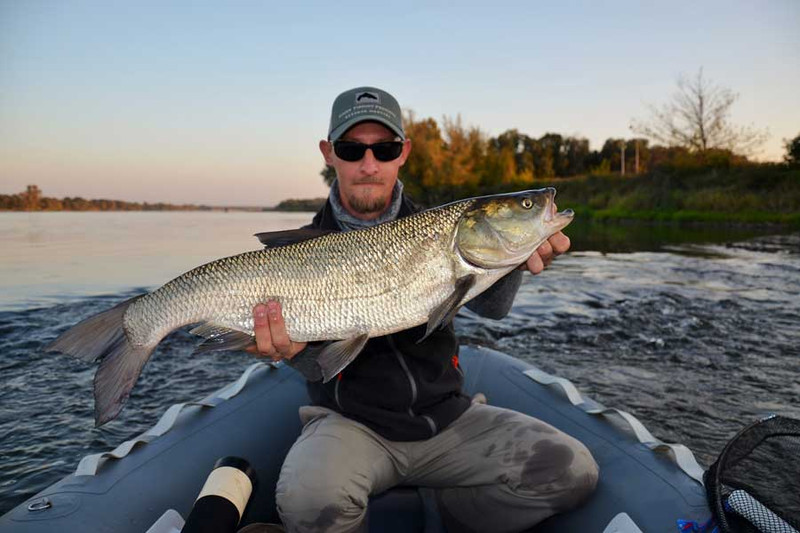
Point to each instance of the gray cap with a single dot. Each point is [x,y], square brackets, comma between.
[364,104]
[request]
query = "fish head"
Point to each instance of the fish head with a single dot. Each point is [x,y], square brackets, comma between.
[504,230]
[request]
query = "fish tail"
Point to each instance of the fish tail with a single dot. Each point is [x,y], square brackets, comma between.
[102,337]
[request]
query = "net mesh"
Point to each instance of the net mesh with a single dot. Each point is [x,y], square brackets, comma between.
[754,486]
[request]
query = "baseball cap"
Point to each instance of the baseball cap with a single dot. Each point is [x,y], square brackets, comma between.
[364,104]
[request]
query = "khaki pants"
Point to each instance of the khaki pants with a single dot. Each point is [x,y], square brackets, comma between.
[492,470]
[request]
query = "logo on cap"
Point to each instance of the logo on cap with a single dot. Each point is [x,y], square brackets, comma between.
[367,97]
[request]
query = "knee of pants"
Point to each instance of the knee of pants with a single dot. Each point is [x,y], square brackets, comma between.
[311,498]
[581,477]
[564,474]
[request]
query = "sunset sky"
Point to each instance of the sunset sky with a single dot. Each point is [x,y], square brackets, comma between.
[223,103]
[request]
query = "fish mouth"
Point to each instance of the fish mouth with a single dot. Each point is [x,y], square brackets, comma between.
[554,218]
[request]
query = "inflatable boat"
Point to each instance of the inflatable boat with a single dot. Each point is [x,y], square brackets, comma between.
[645,485]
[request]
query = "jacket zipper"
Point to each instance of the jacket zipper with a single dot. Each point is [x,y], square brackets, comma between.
[402,360]
[336,392]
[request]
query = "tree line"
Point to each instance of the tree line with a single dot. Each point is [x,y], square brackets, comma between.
[451,161]
[32,200]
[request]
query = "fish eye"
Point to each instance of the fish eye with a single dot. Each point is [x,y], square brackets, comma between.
[527,203]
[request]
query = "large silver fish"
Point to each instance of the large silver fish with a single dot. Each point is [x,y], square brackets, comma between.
[338,287]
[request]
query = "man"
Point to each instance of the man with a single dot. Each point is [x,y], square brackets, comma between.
[396,415]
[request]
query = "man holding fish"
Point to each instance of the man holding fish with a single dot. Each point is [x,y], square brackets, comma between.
[396,414]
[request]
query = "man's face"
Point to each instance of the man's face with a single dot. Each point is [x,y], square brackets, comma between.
[365,186]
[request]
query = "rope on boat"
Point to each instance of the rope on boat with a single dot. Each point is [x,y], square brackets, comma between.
[680,454]
[91,463]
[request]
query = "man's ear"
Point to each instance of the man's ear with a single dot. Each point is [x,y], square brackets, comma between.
[406,151]
[326,147]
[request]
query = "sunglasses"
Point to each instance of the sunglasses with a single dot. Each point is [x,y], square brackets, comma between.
[353,151]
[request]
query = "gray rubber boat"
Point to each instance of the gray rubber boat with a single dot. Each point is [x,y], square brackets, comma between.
[645,485]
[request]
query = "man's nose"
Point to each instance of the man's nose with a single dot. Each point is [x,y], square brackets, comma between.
[368,163]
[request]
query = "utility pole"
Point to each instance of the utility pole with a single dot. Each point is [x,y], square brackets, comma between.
[622,150]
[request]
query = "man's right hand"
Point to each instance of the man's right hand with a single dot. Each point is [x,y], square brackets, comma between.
[271,338]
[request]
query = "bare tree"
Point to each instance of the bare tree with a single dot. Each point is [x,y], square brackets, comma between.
[698,118]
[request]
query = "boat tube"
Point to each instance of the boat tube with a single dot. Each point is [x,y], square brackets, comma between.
[645,485]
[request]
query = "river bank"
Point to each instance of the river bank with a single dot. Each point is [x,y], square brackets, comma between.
[752,194]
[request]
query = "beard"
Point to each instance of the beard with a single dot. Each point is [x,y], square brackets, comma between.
[367,204]
[368,200]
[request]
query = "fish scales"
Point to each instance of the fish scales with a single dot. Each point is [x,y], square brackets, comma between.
[331,287]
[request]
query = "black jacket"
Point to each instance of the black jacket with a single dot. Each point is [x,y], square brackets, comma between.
[401,389]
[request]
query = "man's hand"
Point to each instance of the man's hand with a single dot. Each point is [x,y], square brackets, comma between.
[271,337]
[557,244]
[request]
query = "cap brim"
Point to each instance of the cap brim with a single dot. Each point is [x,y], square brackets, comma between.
[342,128]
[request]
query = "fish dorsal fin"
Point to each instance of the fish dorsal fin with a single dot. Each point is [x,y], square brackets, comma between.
[275,239]
[337,355]
[448,308]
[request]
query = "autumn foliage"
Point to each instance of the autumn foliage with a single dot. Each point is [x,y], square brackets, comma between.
[455,161]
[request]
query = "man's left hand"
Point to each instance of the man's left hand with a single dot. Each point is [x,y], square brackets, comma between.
[557,244]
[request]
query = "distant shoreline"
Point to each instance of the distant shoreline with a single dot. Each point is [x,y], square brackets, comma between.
[745,194]
[172,209]
[32,200]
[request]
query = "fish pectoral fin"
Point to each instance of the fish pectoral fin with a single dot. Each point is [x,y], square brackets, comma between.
[209,330]
[219,338]
[337,355]
[448,308]
[275,239]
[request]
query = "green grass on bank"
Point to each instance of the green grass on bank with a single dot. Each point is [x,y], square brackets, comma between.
[751,194]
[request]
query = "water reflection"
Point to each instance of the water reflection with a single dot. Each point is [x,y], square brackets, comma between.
[50,257]
[638,236]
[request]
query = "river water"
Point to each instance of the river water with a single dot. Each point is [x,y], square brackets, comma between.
[695,331]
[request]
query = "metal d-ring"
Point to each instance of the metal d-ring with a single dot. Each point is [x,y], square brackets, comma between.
[40,505]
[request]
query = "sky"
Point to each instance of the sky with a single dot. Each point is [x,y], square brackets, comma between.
[224,103]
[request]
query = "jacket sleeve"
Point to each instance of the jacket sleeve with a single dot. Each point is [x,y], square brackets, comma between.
[305,361]
[496,301]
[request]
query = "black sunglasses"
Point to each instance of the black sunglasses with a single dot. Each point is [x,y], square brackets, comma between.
[354,151]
